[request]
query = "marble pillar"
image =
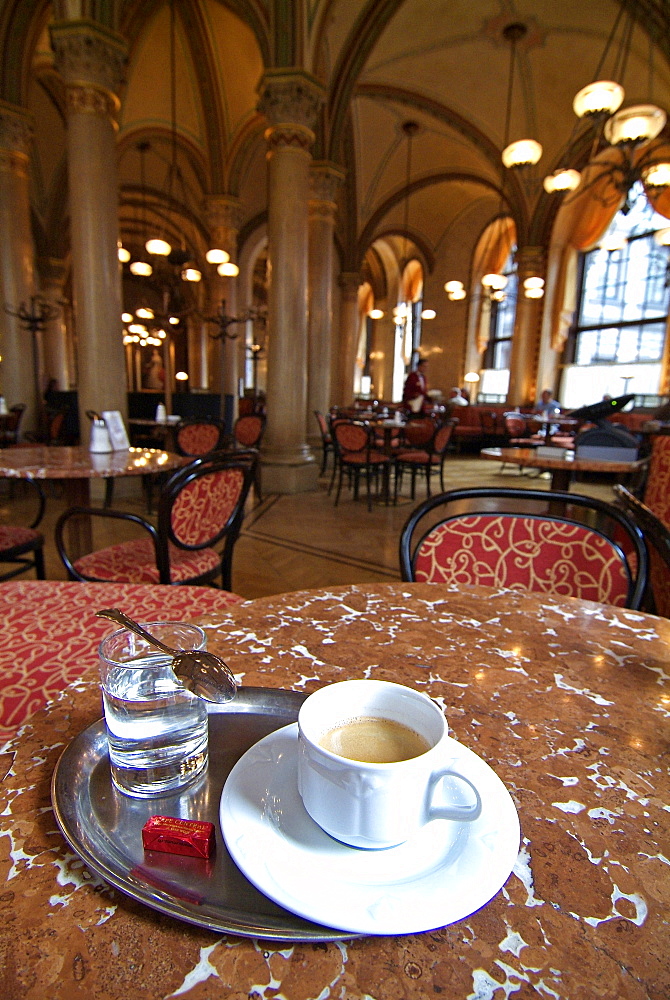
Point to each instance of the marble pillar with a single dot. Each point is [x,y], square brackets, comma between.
[523,390]
[349,328]
[91,59]
[18,383]
[55,360]
[290,100]
[324,180]
[224,218]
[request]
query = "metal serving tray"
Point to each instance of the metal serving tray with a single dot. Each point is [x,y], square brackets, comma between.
[104,827]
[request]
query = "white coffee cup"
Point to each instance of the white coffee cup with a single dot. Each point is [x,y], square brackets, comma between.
[372,804]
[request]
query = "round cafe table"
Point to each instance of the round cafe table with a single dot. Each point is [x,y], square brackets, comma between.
[74,467]
[566,700]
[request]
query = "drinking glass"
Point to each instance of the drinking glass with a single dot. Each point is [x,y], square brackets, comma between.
[156,729]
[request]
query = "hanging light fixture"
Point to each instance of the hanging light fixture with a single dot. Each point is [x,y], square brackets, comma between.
[141,266]
[522,152]
[401,312]
[625,129]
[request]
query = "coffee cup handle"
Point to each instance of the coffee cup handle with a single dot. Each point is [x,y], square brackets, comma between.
[463,813]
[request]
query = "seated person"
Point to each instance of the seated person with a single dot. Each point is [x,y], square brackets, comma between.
[548,407]
[456,397]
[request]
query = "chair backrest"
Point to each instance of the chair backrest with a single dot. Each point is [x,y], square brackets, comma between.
[418,433]
[515,425]
[443,436]
[657,488]
[249,429]
[657,538]
[351,437]
[563,544]
[323,425]
[202,503]
[198,437]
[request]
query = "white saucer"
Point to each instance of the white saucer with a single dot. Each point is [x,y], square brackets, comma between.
[445,873]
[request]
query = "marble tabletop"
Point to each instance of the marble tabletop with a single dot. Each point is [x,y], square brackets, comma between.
[566,700]
[44,462]
[562,465]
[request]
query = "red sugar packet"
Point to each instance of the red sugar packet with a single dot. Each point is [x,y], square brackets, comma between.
[192,837]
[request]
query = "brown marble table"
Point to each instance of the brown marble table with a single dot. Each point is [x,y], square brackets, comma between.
[568,701]
[561,468]
[74,467]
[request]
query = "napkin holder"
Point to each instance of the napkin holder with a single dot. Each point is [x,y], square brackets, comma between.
[100,442]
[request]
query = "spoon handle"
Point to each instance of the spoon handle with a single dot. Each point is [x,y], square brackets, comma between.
[118,616]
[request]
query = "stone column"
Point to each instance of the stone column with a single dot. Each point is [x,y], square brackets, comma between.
[91,59]
[18,367]
[224,218]
[290,100]
[527,325]
[349,327]
[324,179]
[55,350]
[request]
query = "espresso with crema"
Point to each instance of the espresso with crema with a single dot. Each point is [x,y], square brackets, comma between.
[374,741]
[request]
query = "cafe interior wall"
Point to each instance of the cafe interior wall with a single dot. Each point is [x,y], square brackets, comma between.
[440,63]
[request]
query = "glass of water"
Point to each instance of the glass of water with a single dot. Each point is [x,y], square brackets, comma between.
[156,729]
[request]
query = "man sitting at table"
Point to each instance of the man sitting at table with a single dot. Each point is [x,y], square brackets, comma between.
[456,397]
[548,407]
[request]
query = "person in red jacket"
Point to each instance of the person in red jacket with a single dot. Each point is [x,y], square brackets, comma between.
[416,387]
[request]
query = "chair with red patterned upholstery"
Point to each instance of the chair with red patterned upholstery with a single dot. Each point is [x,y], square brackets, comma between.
[197,437]
[22,546]
[657,487]
[657,538]
[356,453]
[248,430]
[200,506]
[562,544]
[428,458]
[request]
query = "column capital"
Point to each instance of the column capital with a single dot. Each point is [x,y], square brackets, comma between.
[324,181]
[223,211]
[16,130]
[291,100]
[91,60]
[530,261]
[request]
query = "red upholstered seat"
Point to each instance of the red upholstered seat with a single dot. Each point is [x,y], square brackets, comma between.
[562,544]
[198,437]
[429,457]
[21,545]
[59,617]
[657,489]
[524,553]
[200,505]
[356,453]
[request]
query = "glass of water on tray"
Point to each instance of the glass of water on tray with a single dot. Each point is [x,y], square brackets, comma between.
[156,729]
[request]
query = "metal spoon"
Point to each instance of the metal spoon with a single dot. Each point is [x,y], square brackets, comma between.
[204,674]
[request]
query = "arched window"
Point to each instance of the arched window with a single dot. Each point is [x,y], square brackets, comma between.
[496,362]
[616,344]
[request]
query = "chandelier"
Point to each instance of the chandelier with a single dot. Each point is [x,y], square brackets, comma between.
[157,245]
[624,141]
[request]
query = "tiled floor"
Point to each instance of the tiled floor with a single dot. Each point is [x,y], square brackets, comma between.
[303,541]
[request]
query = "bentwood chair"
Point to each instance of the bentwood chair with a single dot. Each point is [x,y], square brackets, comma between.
[200,507]
[197,437]
[356,454]
[22,547]
[562,544]
[657,487]
[427,459]
[657,538]
[326,439]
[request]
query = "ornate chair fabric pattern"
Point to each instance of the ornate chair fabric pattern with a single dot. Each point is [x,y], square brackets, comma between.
[556,543]
[22,546]
[657,488]
[248,431]
[196,438]
[200,506]
[356,454]
[657,538]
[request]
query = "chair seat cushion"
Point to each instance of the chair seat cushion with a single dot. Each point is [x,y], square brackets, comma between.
[524,553]
[418,457]
[134,562]
[14,537]
[360,458]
